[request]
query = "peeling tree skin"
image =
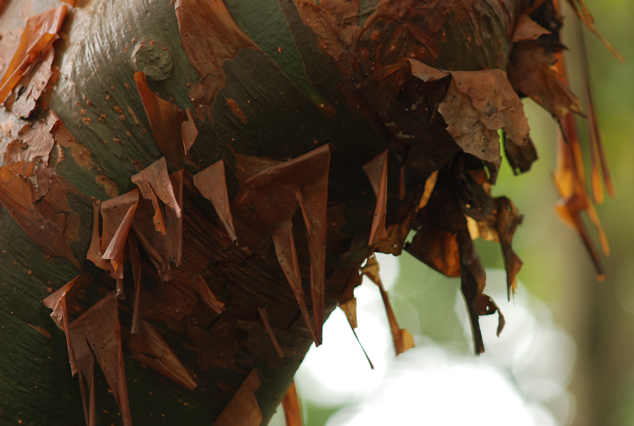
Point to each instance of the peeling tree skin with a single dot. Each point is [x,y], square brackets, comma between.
[132,95]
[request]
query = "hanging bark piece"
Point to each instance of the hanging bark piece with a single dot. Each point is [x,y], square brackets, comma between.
[57,302]
[149,349]
[37,198]
[269,330]
[212,184]
[243,408]
[97,334]
[397,233]
[165,120]
[155,181]
[443,240]
[210,37]
[531,72]
[292,409]
[520,158]
[38,36]
[207,296]
[376,171]
[477,105]
[508,219]
[276,193]
[403,340]
[135,261]
[527,30]
[473,281]
[569,179]
[117,214]
[189,132]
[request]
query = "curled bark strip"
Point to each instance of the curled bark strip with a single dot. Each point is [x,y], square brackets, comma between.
[269,330]
[155,181]
[38,36]
[376,171]
[276,193]
[403,340]
[96,334]
[212,184]
[292,409]
[207,296]
[243,408]
[166,120]
[57,302]
[149,349]
[118,214]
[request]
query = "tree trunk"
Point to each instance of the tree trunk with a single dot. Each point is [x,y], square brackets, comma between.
[283,94]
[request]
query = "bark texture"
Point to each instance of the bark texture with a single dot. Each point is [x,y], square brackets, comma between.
[207,125]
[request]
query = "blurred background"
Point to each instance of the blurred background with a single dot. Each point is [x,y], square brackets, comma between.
[566,356]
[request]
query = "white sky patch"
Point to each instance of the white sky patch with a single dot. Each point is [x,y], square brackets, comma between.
[521,373]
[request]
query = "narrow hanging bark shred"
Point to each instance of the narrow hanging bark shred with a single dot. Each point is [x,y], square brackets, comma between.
[403,340]
[597,154]
[269,330]
[569,180]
